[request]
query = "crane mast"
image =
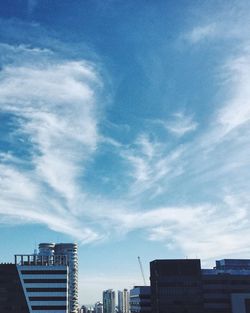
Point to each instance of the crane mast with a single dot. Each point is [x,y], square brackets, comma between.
[143,276]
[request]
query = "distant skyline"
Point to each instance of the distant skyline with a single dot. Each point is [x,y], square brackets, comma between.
[125,127]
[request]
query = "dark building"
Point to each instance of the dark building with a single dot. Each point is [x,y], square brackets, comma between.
[226,288]
[176,286]
[12,298]
[181,286]
[140,299]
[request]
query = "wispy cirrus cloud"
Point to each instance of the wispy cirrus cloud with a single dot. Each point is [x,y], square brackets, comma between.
[54,103]
[201,33]
[180,124]
[236,110]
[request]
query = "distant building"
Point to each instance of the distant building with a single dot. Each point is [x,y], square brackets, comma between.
[108,301]
[181,286]
[98,307]
[123,301]
[140,299]
[83,309]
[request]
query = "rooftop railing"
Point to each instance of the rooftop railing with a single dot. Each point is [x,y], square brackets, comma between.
[36,259]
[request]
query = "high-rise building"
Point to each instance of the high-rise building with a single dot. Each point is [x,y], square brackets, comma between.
[34,284]
[108,301]
[123,301]
[140,299]
[182,286]
[119,306]
[70,251]
[98,307]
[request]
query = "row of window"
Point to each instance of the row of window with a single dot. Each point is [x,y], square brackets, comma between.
[55,280]
[48,307]
[47,298]
[46,289]
[39,272]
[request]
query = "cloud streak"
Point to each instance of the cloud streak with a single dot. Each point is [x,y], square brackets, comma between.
[55,106]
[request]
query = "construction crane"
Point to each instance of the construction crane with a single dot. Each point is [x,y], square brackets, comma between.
[142,273]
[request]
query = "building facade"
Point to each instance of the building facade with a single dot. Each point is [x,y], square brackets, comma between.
[70,251]
[140,299]
[41,282]
[226,288]
[181,286]
[176,286]
[39,285]
[123,301]
[12,297]
[108,301]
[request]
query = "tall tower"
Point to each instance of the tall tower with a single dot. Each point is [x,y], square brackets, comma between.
[70,250]
[108,301]
[46,250]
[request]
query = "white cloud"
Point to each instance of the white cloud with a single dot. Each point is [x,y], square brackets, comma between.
[180,124]
[236,111]
[55,104]
[201,33]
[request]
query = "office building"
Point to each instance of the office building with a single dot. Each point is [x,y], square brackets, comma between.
[108,301]
[140,299]
[179,286]
[34,284]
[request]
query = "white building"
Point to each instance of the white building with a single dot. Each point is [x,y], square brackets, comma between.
[123,301]
[45,282]
[70,251]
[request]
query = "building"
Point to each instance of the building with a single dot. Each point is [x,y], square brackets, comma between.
[34,284]
[43,281]
[176,286]
[123,301]
[70,251]
[83,309]
[98,307]
[181,286]
[226,288]
[108,301]
[140,299]
[12,297]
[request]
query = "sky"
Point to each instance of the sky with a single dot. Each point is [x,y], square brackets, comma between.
[125,127]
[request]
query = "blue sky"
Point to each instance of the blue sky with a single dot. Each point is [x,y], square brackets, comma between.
[124,126]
